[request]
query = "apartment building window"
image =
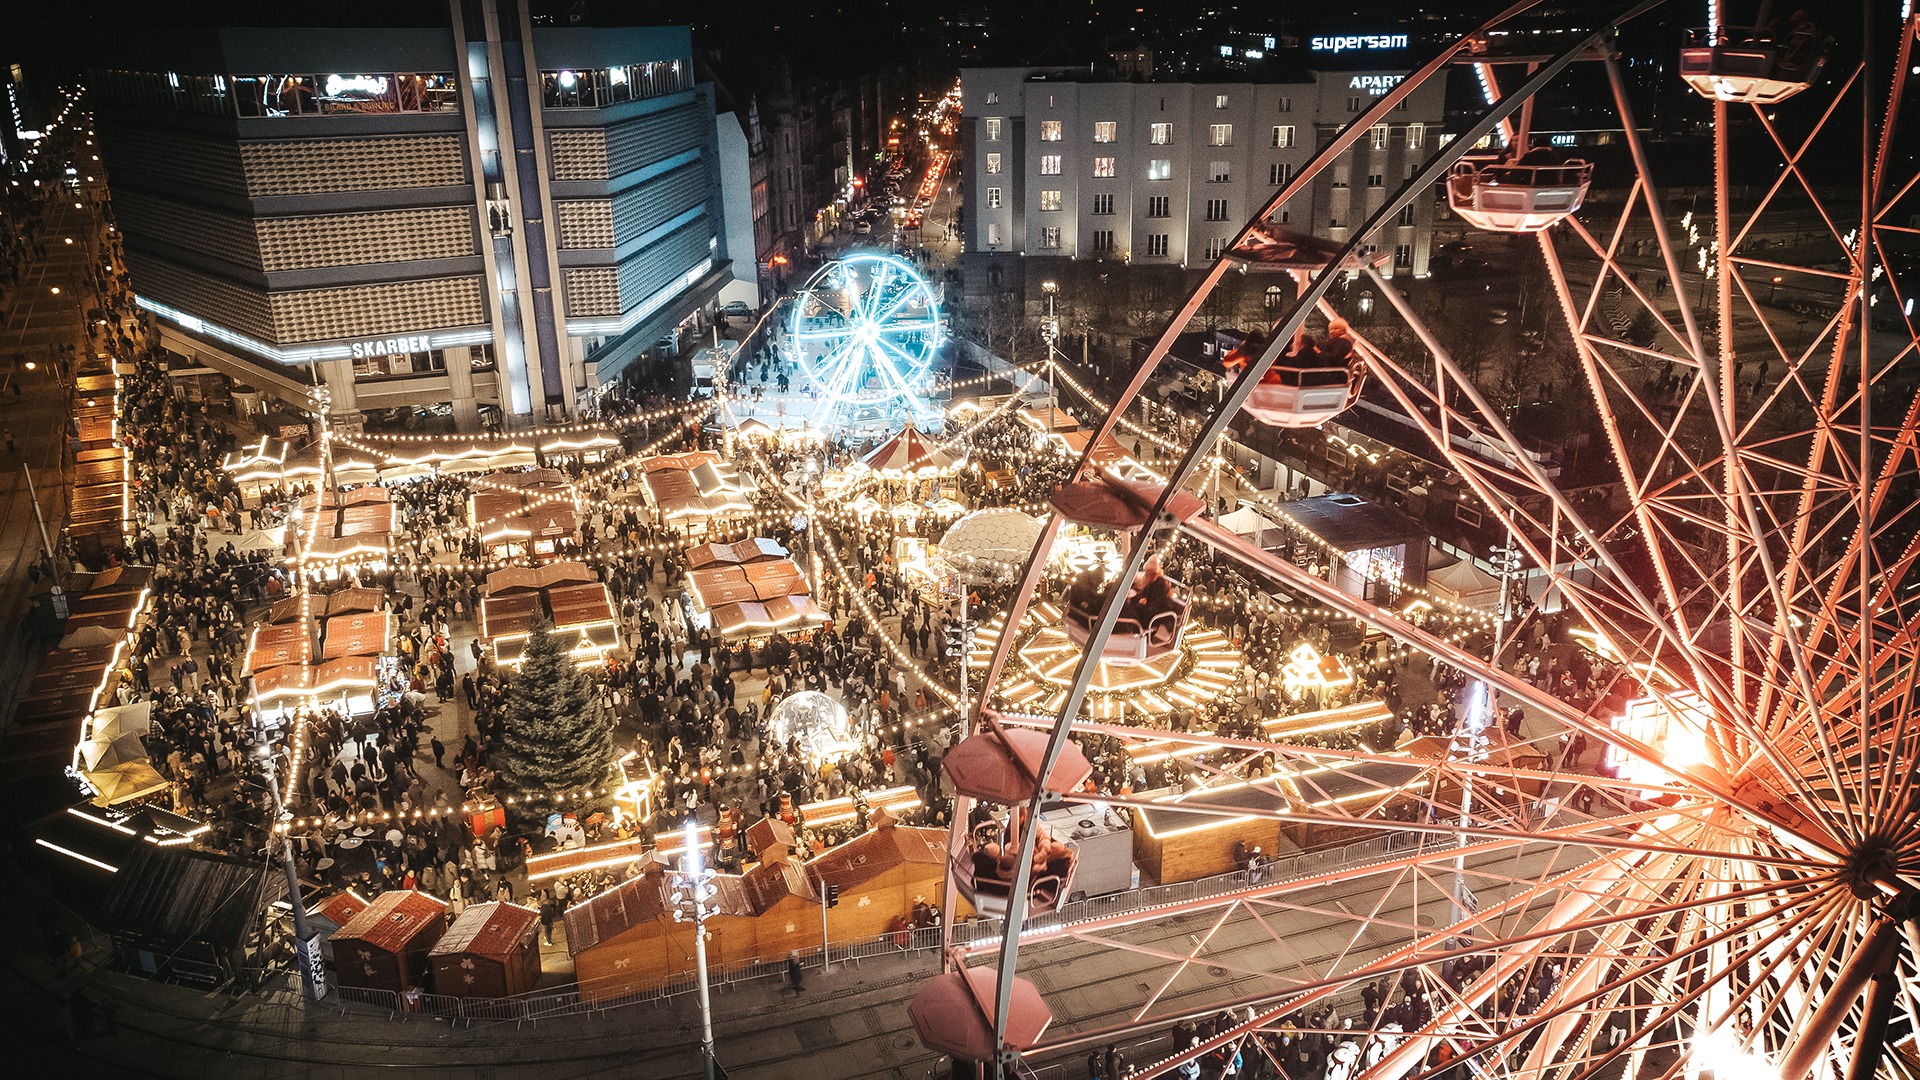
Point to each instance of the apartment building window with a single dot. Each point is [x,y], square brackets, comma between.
[1215,246]
[1050,236]
[1283,136]
[1219,101]
[1103,240]
[1160,134]
[1279,173]
[1353,103]
[1160,169]
[1219,134]
[1049,131]
[1406,215]
[993,98]
[1103,203]
[1049,164]
[993,129]
[993,198]
[1157,206]
[1416,136]
[1219,172]
[1403,256]
[1285,104]
[1103,166]
[1104,130]
[1050,200]
[1377,135]
[1216,209]
[1373,179]
[1157,245]
[993,235]
[993,163]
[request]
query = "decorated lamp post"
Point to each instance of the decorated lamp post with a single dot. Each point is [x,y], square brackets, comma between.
[692,888]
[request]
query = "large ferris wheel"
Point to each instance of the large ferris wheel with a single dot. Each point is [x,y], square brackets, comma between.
[1740,898]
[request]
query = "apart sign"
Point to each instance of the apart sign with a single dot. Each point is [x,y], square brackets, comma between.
[1375,85]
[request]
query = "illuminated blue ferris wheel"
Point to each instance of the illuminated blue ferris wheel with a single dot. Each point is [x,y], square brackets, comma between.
[865,332]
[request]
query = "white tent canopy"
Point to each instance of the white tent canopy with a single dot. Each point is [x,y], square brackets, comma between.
[1247,521]
[1464,583]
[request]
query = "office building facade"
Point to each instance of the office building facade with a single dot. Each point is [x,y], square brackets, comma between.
[490,216]
[1064,165]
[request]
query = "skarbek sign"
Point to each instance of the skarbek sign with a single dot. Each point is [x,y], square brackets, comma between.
[1350,42]
[392,346]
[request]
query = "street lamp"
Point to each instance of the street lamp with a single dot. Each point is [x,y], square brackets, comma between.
[692,888]
[1050,330]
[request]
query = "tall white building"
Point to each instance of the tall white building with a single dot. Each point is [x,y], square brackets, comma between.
[1060,163]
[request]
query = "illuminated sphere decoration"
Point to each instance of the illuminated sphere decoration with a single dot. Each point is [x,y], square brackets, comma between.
[819,723]
[865,331]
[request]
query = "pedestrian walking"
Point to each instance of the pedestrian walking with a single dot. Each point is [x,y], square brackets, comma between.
[793,972]
[439,752]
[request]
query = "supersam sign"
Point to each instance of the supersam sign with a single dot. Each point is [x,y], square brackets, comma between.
[1351,42]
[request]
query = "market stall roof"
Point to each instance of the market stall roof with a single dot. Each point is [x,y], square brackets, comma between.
[629,904]
[538,480]
[910,453]
[125,782]
[392,920]
[364,634]
[580,605]
[350,601]
[491,930]
[580,442]
[277,644]
[523,578]
[513,613]
[586,645]
[1051,421]
[283,611]
[287,680]
[345,673]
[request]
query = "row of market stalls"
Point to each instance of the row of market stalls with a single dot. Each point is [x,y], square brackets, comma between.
[326,647]
[530,513]
[751,589]
[270,462]
[568,596]
[97,505]
[341,525]
[687,490]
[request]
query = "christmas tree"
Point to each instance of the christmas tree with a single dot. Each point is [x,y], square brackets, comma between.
[556,739]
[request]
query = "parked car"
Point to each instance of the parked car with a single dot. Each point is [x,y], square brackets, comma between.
[736,309]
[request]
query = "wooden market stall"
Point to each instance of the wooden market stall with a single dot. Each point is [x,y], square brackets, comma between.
[490,951]
[385,946]
[568,595]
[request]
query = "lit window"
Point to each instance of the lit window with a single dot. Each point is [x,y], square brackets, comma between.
[1219,101]
[1160,134]
[993,163]
[1416,136]
[1104,130]
[1219,172]
[1160,169]
[1050,165]
[993,234]
[1103,166]
[1283,136]
[1378,136]
[1220,135]
[1050,200]
[1049,131]
[993,198]
[1050,236]
[993,129]
[993,98]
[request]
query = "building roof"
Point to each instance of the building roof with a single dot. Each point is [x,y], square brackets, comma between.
[767,884]
[495,930]
[1351,523]
[393,919]
[181,895]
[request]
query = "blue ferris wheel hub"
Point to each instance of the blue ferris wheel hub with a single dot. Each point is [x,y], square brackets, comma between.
[865,334]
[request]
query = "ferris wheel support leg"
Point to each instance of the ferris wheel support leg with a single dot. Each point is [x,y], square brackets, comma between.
[1815,1040]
